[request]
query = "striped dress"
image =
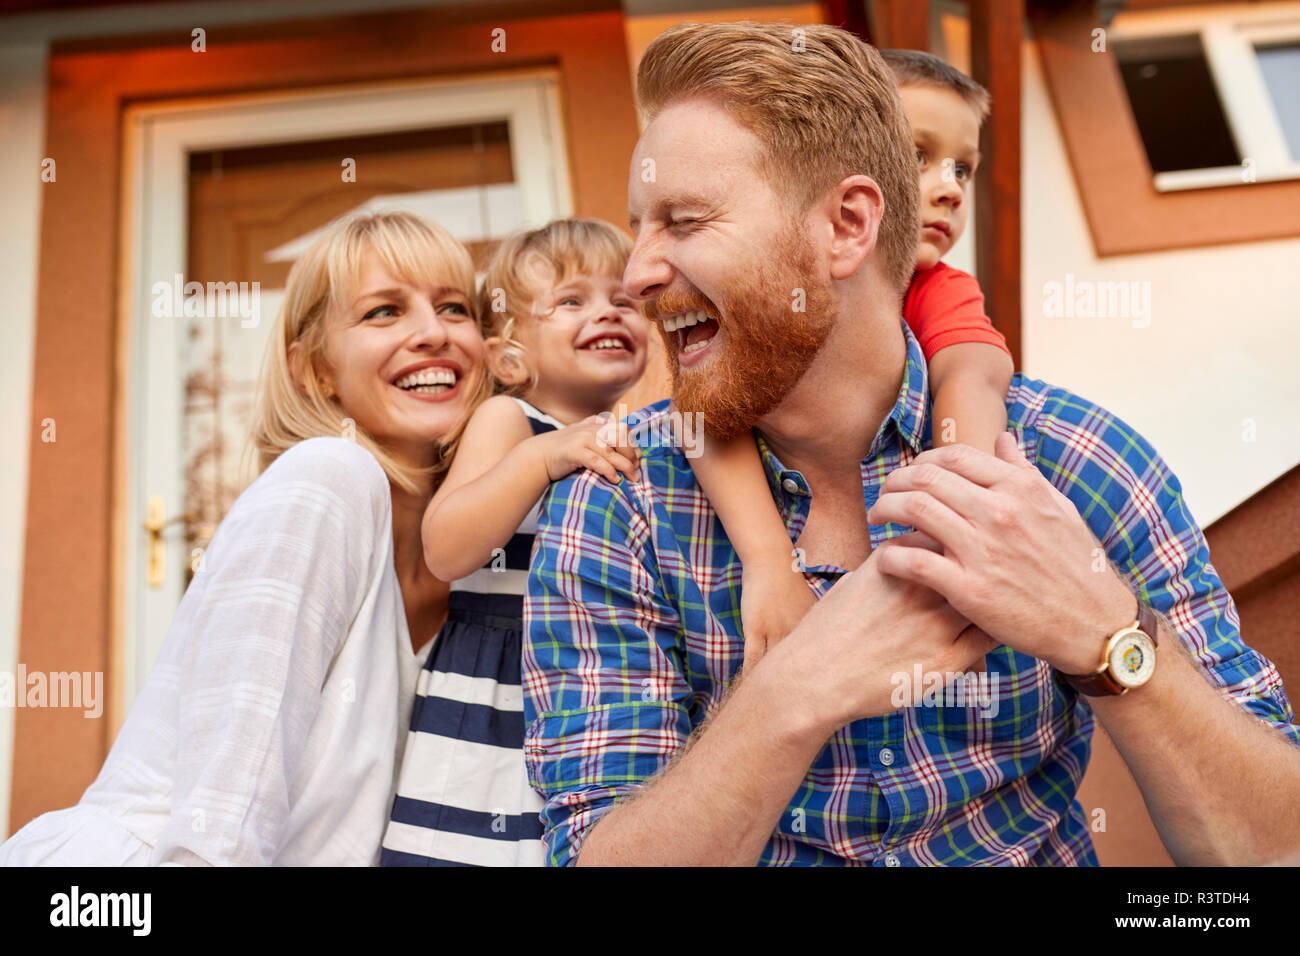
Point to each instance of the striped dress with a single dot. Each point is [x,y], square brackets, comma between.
[463,797]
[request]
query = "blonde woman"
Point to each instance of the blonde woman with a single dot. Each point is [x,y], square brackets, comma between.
[270,729]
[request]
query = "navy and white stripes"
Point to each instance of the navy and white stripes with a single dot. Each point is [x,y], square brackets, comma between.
[463,797]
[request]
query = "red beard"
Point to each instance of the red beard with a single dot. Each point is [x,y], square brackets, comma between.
[768,345]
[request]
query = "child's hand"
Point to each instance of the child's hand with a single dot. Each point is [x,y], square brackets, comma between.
[773,599]
[583,445]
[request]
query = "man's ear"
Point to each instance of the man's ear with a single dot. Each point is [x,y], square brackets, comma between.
[854,209]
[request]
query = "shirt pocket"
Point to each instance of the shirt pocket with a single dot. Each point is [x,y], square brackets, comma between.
[1010,704]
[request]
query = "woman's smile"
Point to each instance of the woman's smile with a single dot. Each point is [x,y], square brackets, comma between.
[436,380]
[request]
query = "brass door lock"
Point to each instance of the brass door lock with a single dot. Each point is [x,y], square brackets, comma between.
[155,524]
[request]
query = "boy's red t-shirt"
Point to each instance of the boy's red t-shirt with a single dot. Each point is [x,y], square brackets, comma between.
[944,306]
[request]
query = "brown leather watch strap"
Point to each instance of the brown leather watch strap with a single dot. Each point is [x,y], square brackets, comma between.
[1149,621]
[1100,684]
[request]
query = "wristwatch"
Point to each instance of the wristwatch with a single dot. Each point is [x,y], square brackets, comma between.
[1128,660]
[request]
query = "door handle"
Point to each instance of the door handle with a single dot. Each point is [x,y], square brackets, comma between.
[155,524]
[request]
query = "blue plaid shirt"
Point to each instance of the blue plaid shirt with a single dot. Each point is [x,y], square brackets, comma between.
[632,624]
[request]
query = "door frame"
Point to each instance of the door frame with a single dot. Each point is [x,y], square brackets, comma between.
[158,141]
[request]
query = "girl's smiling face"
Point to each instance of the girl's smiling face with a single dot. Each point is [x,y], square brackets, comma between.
[403,360]
[587,342]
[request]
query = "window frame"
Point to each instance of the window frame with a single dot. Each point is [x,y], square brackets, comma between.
[1230,38]
[1126,213]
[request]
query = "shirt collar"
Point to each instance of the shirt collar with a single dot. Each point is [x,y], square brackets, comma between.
[908,416]
[913,405]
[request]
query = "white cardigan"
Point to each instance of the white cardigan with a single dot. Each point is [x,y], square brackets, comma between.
[272,724]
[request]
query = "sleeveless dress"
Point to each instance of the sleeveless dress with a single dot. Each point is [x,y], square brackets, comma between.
[463,796]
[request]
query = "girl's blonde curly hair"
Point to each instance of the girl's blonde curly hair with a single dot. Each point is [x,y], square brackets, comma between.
[524,269]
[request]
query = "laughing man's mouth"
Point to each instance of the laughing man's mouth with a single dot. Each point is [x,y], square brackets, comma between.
[695,329]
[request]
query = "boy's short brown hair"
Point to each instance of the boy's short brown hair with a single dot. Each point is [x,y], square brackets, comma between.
[918,68]
[819,100]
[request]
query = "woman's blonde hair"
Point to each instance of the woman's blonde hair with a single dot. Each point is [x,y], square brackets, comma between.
[324,279]
[511,294]
[820,101]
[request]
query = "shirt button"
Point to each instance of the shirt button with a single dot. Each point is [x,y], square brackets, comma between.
[887,757]
[891,860]
[791,486]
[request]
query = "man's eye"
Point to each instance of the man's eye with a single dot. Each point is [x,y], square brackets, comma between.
[682,223]
[374,313]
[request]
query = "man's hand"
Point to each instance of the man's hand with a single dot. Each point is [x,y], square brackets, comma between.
[1016,558]
[842,657]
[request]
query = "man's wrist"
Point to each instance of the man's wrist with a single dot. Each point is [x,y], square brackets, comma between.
[779,690]
[1084,654]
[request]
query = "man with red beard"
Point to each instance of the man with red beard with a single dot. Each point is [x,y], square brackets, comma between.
[773,195]
[769,345]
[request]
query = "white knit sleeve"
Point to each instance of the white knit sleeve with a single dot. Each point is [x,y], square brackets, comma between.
[255,636]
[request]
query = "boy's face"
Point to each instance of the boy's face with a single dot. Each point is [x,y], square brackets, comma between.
[946,132]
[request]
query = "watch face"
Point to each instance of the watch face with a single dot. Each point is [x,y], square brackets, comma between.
[1133,659]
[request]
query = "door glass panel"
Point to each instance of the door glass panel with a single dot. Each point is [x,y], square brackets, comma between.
[253,211]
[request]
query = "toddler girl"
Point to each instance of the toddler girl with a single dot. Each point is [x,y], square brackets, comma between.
[564,343]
